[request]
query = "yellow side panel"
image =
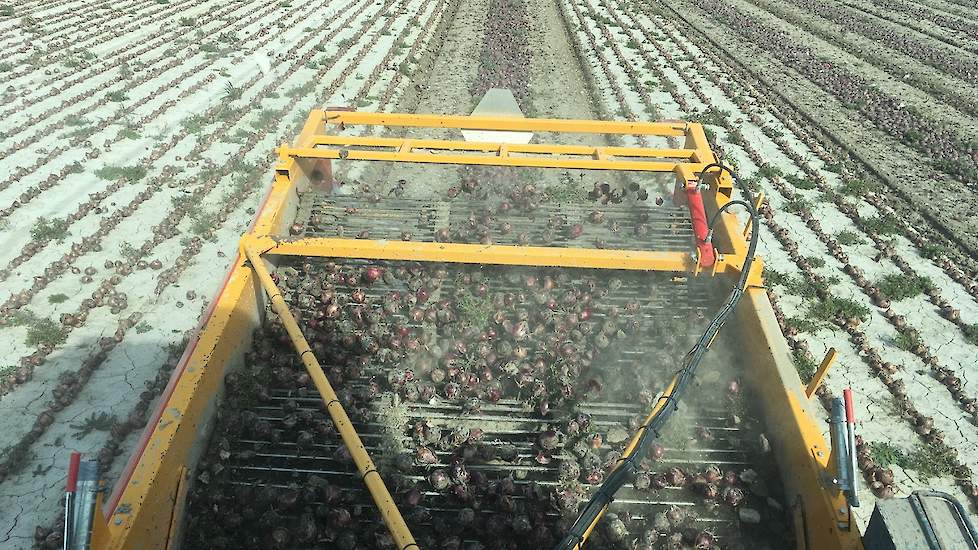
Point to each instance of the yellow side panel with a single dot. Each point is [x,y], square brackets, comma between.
[142,505]
[795,438]
[140,516]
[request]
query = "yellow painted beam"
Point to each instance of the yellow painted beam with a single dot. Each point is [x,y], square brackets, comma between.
[481,254]
[509,123]
[487,160]
[532,148]
[314,126]
[696,140]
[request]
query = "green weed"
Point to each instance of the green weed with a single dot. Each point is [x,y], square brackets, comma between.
[832,307]
[886,454]
[835,167]
[799,182]
[45,332]
[57,298]
[816,261]
[798,204]
[712,116]
[899,287]
[129,252]
[203,222]
[193,124]
[118,95]
[886,224]
[774,277]
[474,310]
[846,237]
[970,333]
[801,325]
[932,251]
[231,92]
[49,230]
[854,187]
[113,172]
[41,331]
[769,171]
[907,340]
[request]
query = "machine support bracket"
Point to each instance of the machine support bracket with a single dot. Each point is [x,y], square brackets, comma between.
[823,369]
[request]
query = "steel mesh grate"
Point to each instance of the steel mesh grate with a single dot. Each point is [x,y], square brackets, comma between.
[662,228]
[283,463]
[662,304]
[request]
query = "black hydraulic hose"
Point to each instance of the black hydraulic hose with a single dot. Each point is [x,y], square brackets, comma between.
[629,466]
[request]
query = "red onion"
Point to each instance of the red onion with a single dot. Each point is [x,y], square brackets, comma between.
[730,477]
[660,481]
[642,481]
[288,498]
[704,540]
[371,274]
[306,530]
[712,474]
[732,495]
[656,451]
[439,480]
[676,477]
[548,440]
[278,539]
[452,391]
[413,497]
[426,456]
[595,477]
[676,515]
[339,517]
[422,295]
[703,434]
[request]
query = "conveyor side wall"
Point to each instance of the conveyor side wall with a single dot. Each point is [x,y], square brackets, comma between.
[144,510]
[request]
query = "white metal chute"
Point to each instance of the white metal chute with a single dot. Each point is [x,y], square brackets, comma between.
[497,102]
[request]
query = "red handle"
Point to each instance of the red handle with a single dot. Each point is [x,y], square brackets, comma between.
[73,471]
[850,409]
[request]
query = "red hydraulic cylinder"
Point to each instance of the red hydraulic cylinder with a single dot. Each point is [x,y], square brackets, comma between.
[697,214]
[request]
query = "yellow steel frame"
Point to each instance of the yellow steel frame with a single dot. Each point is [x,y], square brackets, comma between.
[141,510]
[685,163]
